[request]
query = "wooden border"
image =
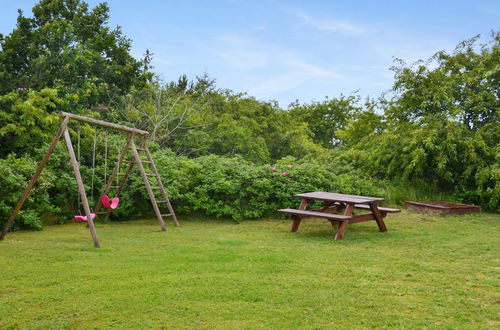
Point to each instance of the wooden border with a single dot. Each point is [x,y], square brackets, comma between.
[442,208]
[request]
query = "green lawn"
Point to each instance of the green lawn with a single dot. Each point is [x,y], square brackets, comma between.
[426,271]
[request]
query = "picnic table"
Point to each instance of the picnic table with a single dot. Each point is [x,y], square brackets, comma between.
[339,209]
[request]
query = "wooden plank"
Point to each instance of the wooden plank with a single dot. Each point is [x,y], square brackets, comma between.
[442,207]
[103,123]
[363,217]
[34,178]
[81,188]
[326,196]
[378,217]
[148,188]
[314,214]
[382,209]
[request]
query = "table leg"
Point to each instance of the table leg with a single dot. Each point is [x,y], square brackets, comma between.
[378,217]
[303,204]
[344,224]
[296,219]
[296,222]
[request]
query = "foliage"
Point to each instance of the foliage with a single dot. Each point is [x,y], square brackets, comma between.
[27,121]
[195,119]
[325,118]
[68,47]
[235,188]
[437,130]
[14,176]
[440,128]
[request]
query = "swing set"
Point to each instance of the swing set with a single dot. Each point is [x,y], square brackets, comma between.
[116,181]
[105,201]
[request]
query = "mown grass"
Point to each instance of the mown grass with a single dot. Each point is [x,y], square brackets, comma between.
[426,271]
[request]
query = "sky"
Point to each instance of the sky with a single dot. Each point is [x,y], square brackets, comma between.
[290,50]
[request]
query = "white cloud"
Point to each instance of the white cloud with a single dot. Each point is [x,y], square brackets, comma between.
[241,53]
[283,69]
[323,25]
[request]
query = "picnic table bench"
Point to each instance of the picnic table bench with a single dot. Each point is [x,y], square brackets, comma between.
[334,204]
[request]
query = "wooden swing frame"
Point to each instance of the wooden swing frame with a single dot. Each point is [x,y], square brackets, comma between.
[130,145]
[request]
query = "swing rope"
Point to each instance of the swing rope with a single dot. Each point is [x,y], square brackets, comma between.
[106,157]
[113,204]
[79,202]
[93,165]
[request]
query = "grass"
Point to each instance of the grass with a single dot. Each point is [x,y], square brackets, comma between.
[426,271]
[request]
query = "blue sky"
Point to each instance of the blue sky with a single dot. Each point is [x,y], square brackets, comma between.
[288,50]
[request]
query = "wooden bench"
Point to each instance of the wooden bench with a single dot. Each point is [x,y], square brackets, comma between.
[315,214]
[297,216]
[381,209]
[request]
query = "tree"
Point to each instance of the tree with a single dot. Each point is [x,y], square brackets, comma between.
[24,120]
[163,109]
[463,86]
[325,118]
[442,124]
[68,47]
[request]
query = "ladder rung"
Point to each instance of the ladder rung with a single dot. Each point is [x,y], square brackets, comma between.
[160,202]
[155,188]
[150,174]
[114,187]
[101,212]
[129,161]
[145,161]
[142,149]
[166,215]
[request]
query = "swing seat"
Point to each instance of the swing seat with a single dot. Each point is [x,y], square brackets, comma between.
[84,218]
[114,202]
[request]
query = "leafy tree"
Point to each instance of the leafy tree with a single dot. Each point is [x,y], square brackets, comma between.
[463,86]
[163,109]
[442,124]
[327,117]
[69,47]
[362,125]
[26,121]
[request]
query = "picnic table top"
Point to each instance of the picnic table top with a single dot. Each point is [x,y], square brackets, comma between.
[335,197]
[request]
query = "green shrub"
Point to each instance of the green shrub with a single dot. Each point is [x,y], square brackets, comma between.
[14,176]
[234,188]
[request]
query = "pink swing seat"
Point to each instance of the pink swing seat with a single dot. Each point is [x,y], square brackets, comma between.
[106,203]
[84,218]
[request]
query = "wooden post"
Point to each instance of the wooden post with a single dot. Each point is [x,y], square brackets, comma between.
[378,217]
[34,178]
[81,188]
[148,187]
[297,219]
[344,224]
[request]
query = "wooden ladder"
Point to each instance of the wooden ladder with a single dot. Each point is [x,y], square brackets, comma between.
[158,205]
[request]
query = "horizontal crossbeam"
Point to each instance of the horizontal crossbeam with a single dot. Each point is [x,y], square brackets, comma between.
[103,123]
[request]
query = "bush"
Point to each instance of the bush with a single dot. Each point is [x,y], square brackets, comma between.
[234,188]
[14,176]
